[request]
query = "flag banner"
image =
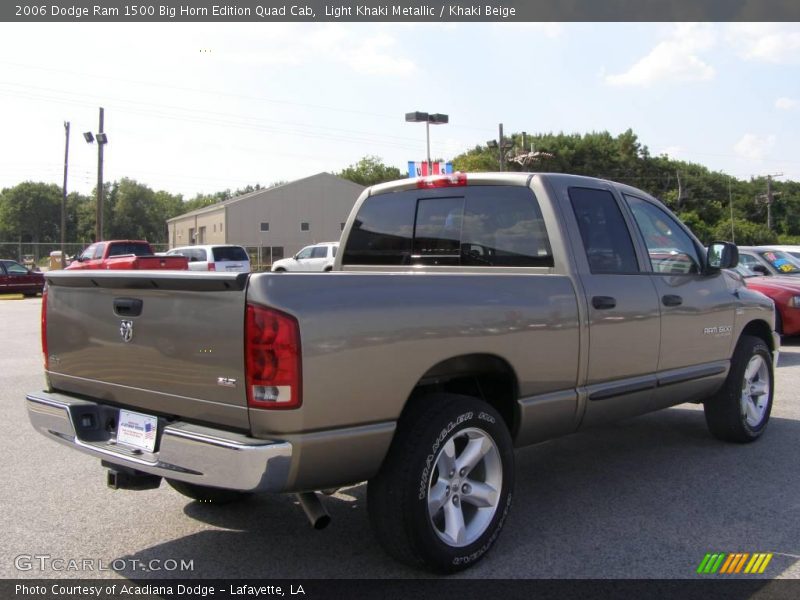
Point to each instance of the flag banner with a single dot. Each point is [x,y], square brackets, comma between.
[421,168]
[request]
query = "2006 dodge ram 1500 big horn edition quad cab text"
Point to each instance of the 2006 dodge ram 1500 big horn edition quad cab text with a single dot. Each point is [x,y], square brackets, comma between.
[466,315]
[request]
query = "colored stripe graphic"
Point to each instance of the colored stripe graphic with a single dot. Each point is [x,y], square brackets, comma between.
[738,562]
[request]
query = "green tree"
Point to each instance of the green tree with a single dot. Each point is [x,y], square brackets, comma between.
[31,212]
[747,233]
[369,171]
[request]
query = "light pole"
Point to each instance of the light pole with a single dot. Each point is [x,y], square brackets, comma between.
[64,197]
[428,119]
[102,140]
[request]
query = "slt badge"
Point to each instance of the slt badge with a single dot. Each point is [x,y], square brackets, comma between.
[126,330]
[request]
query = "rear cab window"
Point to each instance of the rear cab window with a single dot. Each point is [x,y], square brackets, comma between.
[475,226]
[229,253]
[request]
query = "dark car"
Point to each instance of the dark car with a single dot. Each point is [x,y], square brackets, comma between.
[18,279]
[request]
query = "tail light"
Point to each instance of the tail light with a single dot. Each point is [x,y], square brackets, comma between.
[272,359]
[44,329]
[440,181]
[212,266]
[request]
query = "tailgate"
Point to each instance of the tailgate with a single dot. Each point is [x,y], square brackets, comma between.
[167,343]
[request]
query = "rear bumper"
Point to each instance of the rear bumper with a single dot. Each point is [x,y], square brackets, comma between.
[185,451]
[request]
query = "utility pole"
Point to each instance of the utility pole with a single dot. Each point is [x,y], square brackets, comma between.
[769,198]
[99,225]
[730,205]
[501,146]
[502,150]
[64,197]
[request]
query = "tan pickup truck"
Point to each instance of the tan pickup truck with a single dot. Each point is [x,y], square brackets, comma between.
[466,315]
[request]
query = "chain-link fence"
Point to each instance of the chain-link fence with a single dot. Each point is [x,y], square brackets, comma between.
[38,255]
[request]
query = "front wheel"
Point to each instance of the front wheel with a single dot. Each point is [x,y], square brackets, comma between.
[444,490]
[740,411]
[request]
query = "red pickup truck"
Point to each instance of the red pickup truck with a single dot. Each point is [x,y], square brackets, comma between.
[126,254]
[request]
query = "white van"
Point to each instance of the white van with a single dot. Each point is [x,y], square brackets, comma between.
[215,257]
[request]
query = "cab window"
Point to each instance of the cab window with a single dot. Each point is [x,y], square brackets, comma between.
[606,239]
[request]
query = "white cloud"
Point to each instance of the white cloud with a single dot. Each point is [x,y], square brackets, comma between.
[786,103]
[767,42]
[673,60]
[754,147]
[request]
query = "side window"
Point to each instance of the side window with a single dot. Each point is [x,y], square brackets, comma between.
[333,251]
[670,248]
[319,252]
[305,253]
[16,269]
[98,251]
[606,239]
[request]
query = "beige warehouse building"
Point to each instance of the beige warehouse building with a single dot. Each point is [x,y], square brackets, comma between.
[272,223]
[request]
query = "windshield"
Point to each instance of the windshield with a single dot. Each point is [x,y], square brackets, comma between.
[781,262]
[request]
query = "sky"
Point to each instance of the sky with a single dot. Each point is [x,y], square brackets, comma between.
[202,107]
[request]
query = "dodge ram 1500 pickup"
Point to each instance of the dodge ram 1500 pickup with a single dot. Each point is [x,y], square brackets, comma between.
[466,315]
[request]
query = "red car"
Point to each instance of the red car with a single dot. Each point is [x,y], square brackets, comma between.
[785,293]
[17,279]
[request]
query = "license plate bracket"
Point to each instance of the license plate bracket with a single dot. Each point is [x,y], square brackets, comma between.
[137,430]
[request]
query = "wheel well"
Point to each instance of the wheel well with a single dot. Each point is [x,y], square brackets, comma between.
[760,329]
[483,376]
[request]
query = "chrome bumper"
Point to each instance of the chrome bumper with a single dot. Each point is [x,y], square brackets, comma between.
[185,451]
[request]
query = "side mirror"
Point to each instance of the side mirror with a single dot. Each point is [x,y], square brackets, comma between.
[722,255]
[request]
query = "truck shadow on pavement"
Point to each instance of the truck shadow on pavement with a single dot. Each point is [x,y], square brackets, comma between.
[645,498]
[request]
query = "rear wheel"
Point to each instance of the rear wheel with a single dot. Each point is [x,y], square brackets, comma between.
[444,490]
[740,411]
[206,494]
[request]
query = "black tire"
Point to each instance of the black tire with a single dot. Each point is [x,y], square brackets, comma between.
[398,497]
[206,494]
[740,411]
[279,270]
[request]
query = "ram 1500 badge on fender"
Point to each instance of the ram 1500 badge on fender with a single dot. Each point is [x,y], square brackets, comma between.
[466,315]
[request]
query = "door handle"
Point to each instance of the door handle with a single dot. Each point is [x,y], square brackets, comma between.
[128,307]
[671,300]
[604,302]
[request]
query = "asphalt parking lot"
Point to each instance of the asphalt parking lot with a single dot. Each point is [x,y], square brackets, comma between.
[646,498]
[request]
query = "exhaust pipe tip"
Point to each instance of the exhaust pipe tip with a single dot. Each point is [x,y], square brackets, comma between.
[318,517]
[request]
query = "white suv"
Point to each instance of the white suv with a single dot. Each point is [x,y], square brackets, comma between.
[318,257]
[215,258]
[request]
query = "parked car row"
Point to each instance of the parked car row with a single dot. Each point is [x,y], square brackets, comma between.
[775,272]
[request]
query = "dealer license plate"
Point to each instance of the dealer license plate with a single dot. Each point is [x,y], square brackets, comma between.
[137,430]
